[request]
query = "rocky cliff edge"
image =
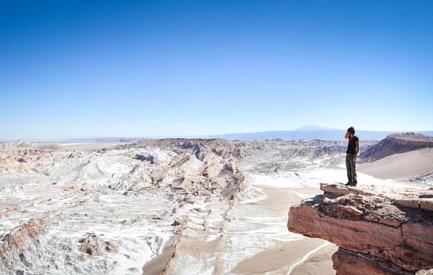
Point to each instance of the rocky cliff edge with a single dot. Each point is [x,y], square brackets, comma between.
[377,231]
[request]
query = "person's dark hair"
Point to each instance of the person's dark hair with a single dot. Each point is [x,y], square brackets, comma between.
[351,130]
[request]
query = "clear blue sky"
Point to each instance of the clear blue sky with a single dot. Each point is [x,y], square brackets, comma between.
[173,68]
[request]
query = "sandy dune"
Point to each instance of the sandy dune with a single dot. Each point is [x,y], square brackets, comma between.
[405,165]
[254,238]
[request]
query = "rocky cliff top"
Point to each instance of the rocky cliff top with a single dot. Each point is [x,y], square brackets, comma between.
[377,231]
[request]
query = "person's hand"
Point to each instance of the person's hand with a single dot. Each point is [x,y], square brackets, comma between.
[355,157]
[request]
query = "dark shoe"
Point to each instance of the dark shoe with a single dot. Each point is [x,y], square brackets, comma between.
[349,184]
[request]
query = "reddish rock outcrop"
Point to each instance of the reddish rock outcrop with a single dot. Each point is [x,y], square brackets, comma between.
[376,233]
[18,245]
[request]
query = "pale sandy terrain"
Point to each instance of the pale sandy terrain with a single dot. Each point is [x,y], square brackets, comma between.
[405,165]
[254,238]
[291,254]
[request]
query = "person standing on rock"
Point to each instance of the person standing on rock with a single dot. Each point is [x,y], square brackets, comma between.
[351,156]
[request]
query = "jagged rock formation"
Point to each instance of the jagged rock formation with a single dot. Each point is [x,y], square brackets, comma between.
[377,233]
[276,156]
[21,244]
[106,209]
[397,143]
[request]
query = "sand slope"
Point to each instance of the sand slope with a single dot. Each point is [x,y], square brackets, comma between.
[405,165]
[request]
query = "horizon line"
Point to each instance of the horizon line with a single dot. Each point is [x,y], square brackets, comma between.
[200,136]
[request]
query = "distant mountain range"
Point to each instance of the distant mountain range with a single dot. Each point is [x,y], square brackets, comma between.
[311,132]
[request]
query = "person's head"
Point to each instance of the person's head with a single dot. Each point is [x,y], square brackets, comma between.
[350,132]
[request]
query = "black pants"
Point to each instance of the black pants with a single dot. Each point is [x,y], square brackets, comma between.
[351,169]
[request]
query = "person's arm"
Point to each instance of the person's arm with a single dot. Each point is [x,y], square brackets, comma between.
[356,151]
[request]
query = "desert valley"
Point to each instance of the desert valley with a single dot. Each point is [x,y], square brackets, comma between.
[190,206]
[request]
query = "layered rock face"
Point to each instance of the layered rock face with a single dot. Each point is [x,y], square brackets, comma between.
[377,233]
